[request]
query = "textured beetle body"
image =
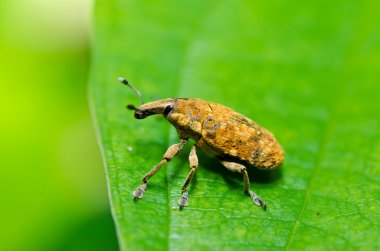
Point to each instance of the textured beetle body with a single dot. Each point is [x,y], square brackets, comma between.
[234,139]
[222,132]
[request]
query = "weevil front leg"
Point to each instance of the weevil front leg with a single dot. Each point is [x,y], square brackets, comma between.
[235,167]
[193,159]
[172,151]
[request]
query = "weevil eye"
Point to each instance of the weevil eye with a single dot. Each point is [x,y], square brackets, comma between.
[168,109]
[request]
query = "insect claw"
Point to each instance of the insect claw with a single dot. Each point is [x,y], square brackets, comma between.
[183,201]
[139,192]
[261,203]
[257,200]
[264,206]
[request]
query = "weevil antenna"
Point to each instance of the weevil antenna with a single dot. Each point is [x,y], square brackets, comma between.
[124,81]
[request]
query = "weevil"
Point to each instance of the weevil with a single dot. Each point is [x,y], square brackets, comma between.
[235,140]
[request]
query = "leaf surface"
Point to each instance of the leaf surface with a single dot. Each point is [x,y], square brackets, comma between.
[306,71]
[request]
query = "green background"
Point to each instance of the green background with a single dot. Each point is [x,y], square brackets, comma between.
[52,182]
[307,71]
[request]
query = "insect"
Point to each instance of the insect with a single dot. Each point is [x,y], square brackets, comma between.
[234,139]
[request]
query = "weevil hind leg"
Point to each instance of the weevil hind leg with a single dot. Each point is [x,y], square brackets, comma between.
[172,151]
[235,167]
[193,159]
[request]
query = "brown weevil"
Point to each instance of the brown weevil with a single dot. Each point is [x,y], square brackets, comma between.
[234,139]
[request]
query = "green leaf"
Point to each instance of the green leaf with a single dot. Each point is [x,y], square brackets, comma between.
[307,71]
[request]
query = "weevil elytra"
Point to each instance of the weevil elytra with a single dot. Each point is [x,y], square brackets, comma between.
[234,139]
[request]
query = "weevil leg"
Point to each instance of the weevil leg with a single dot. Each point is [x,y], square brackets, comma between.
[235,167]
[193,159]
[172,151]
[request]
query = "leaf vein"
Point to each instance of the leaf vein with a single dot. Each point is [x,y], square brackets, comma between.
[322,151]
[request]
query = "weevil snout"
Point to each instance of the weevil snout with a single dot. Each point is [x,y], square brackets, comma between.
[156,107]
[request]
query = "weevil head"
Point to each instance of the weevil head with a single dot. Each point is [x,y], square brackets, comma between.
[164,106]
[183,113]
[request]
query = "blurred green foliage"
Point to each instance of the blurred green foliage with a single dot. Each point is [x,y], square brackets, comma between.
[52,184]
[308,71]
